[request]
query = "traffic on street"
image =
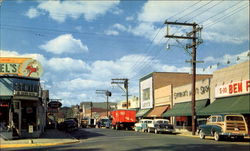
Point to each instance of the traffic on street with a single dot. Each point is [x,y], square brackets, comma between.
[102,139]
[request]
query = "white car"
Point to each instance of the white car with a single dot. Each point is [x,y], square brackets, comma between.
[160,125]
[142,125]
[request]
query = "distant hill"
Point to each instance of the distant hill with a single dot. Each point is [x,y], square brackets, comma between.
[102,105]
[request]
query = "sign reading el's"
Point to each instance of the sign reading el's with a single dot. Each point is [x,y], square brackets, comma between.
[20,66]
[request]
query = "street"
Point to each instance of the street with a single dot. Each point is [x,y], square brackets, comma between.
[108,139]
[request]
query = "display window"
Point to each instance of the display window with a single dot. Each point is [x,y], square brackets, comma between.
[29,115]
[4,115]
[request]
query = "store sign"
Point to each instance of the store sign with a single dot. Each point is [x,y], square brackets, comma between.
[199,91]
[26,88]
[235,88]
[54,104]
[20,66]
[184,93]
[146,88]
[25,93]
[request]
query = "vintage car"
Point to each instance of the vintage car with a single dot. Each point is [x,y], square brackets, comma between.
[224,125]
[160,125]
[142,125]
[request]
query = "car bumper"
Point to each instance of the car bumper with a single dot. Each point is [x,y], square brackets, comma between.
[234,134]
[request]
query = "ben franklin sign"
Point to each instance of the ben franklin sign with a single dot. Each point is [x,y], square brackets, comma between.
[20,66]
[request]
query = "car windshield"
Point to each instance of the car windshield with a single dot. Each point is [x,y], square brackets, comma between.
[160,122]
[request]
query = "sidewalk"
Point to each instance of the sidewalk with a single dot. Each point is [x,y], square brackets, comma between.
[49,138]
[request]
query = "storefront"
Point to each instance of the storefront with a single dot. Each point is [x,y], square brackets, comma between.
[231,91]
[162,101]
[22,109]
[156,91]
[182,109]
[21,106]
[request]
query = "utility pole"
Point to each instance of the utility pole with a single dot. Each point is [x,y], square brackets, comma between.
[91,106]
[195,41]
[108,94]
[125,83]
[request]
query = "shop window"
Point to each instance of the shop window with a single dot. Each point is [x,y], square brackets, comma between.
[29,117]
[4,115]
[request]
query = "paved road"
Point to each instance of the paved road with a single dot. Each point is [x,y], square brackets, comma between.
[112,140]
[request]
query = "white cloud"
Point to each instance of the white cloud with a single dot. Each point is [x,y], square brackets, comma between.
[129,18]
[67,64]
[111,32]
[32,13]
[117,11]
[119,27]
[232,29]
[79,84]
[64,44]
[78,28]
[232,58]
[90,10]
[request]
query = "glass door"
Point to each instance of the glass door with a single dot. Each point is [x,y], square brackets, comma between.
[17,118]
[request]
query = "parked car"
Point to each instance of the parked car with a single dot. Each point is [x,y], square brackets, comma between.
[160,125]
[224,125]
[104,123]
[68,125]
[142,125]
[75,119]
[84,123]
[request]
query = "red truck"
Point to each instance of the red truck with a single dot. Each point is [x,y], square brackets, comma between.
[123,119]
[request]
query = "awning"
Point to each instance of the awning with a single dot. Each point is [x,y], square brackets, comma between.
[158,111]
[236,104]
[184,109]
[142,112]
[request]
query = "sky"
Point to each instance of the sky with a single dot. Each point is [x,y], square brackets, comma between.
[83,44]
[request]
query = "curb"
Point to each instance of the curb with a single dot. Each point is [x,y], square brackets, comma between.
[36,145]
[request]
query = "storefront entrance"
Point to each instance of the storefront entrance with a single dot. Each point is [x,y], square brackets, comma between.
[17,118]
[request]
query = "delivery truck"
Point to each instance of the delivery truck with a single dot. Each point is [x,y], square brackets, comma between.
[123,119]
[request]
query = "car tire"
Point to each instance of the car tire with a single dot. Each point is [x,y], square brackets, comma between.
[156,132]
[201,134]
[217,137]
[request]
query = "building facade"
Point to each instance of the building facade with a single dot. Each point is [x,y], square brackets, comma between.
[230,91]
[182,103]
[156,92]
[133,103]
[22,106]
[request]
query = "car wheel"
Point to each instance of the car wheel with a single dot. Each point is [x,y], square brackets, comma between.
[148,130]
[201,134]
[216,136]
[156,132]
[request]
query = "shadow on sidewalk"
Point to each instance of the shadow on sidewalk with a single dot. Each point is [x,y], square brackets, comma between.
[83,134]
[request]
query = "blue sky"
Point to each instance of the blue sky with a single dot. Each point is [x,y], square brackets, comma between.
[82,45]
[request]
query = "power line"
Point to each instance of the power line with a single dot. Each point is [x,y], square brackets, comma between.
[204,11]
[219,13]
[226,16]
[194,10]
